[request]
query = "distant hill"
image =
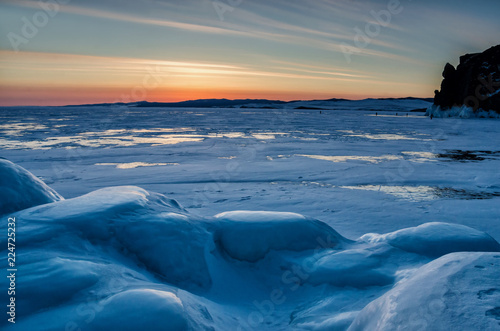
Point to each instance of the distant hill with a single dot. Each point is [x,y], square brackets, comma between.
[240,103]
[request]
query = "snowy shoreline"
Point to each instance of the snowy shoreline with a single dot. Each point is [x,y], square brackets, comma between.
[460,112]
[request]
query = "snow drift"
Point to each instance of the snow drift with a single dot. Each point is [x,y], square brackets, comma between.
[124,258]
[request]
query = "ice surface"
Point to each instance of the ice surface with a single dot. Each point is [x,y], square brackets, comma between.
[126,258]
[436,239]
[144,309]
[462,112]
[90,259]
[149,226]
[350,268]
[459,291]
[249,236]
[227,168]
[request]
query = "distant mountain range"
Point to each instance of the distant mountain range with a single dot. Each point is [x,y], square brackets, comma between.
[238,103]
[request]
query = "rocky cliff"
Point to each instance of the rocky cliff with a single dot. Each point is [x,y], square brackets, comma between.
[475,83]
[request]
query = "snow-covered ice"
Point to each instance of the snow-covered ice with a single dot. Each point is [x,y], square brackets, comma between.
[250,235]
[123,257]
[263,219]
[436,239]
[462,112]
[452,292]
[19,189]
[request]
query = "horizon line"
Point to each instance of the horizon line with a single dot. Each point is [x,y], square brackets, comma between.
[219,99]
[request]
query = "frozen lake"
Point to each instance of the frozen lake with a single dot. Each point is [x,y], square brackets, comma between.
[249,251]
[354,170]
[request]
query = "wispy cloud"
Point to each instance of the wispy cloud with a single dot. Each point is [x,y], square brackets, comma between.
[50,62]
[253,26]
[78,10]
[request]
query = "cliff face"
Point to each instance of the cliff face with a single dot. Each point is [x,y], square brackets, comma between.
[474,83]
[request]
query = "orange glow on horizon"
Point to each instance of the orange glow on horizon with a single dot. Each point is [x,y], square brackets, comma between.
[67,79]
[61,96]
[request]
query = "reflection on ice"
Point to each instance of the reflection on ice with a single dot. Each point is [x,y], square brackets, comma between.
[123,138]
[258,135]
[421,157]
[413,193]
[426,193]
[381,136]
[425,155]
[263,136]
[82,141]
[163,140]
[105,133]
[371,159]
[405,115]
[18,129]
[164,130]
[306,138]
[122,131]
[133,165]
[225,135]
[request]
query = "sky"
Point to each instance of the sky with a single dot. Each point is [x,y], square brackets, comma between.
[59,52]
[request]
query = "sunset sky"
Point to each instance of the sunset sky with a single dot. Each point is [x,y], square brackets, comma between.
[92,51]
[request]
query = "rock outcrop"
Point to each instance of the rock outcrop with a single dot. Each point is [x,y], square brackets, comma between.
[475,83]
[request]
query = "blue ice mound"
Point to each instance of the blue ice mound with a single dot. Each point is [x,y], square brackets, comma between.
[458,291]
[131,309]
[50,280]
[358,268]
[250,235]
[19,189]
[437,239]
[144,309]
[148,228]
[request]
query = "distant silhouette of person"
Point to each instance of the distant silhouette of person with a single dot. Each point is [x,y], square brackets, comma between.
[376,114]
[432,116]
